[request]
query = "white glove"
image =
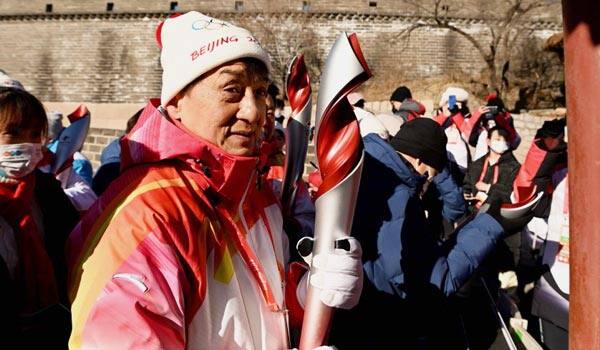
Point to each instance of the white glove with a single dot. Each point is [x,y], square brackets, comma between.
[339,276]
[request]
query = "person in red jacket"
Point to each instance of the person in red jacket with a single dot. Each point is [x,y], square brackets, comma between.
[186,249]
[453,115]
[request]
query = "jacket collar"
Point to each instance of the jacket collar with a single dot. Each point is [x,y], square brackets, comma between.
[394,161]
[156,138]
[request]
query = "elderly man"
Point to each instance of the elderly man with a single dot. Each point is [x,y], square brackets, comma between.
[186,248]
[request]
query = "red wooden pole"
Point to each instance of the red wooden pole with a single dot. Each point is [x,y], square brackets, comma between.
[582,74]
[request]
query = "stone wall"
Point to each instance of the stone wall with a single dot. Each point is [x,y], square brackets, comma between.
[456,8]
[85,54]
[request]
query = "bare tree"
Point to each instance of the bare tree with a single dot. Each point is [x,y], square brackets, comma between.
[284,37]
[507,22]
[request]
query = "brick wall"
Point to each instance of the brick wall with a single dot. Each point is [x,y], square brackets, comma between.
[113,57]
[457,8]
[95,142]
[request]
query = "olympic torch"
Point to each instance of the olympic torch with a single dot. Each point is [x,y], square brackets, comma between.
[296,140]
[340,156]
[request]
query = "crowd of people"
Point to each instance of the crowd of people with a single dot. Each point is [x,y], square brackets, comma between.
[179,240]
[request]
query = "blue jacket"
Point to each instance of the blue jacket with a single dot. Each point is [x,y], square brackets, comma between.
[111,153]
[390,223]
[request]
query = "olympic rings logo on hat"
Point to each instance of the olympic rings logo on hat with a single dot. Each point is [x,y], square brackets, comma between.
[211,24]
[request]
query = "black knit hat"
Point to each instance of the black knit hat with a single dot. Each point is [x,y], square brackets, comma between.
[552,128]
[400,94]
[425,139]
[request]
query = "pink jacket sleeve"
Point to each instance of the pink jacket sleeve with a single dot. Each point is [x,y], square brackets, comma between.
[142,305]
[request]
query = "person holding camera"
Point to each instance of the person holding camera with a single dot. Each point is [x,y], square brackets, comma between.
[486,117]
[453,116]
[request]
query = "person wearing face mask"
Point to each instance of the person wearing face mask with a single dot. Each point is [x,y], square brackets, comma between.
[35,218]
[409,274]
[493,114]
[493,174]
[489,179]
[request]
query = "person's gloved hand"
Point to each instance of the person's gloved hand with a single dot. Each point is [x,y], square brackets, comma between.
[509,225]
[339,275]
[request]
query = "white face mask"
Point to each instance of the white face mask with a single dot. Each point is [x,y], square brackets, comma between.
[499,146]
[19,159]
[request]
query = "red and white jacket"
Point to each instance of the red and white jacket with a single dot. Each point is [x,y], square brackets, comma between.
[457,129]
[185,250]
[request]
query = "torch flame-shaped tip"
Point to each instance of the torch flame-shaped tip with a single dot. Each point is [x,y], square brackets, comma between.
[299,94]
[339,144]
[340,155]
[298,84]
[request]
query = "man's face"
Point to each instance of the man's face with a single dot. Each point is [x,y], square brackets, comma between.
[227,107]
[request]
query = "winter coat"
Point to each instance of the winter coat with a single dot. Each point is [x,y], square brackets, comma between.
[407,273]
[31,315]
[506,170]
[551,295]
[185,250]
[410,109]
[456,128]
[370,124]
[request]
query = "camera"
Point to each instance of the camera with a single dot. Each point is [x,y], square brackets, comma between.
[491,113]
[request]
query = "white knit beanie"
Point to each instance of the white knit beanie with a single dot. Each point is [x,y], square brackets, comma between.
[461,95]
[193,44]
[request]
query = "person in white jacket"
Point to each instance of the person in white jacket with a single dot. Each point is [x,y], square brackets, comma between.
[551,295]
[367,121]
